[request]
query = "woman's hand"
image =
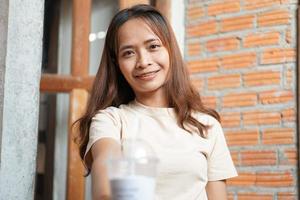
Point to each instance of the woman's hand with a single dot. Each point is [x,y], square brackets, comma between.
[100,181]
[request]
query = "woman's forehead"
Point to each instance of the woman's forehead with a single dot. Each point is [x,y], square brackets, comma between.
[136,29]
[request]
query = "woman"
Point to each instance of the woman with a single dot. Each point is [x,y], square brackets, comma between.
[142,89]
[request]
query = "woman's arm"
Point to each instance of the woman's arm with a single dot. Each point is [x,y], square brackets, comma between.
[100,182]
[216,190]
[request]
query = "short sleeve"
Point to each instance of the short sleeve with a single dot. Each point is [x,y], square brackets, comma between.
[220,164]
[105,124]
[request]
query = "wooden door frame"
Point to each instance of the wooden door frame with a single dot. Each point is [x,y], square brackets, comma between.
[77,85]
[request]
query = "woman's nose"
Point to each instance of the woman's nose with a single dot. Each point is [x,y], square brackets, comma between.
[144,60]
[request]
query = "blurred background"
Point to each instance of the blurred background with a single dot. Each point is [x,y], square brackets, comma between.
[242,57]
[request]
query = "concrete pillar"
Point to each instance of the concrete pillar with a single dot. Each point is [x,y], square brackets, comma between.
[21,32]
[3,41]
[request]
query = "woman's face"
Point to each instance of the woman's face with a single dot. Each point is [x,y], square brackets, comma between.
[142,58]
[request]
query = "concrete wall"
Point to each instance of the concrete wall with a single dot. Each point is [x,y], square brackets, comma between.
[21,33]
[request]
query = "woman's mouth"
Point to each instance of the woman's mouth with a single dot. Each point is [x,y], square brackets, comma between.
[147,76]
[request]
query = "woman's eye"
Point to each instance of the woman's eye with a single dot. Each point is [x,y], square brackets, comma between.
[127,53]
[154,46]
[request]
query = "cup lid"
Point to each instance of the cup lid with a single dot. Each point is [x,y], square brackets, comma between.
[138,150]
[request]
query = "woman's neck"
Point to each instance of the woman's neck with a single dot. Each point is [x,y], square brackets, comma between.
[153,100]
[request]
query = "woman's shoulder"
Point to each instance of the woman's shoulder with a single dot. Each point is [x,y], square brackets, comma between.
[112,109]
[206,119]
[112,112]
[214,126]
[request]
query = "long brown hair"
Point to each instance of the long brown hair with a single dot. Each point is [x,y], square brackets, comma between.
[111,89]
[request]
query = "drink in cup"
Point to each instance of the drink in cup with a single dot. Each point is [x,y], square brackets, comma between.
[132,172]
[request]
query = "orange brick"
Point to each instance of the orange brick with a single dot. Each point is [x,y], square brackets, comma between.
[278,55]
[231,119]
[209,101]
[235,157]
[239,99]
[244,179]
[237,23]
[257,157]
[261,117]
[290,157]
[262,78]
[205,65]
[194,48]
[224,81]
[256,4]
[237,61]
[261,39]
[286,196]
[202,29]
[274,96]
[223,7]
[288,115]
[242,137]
[223,44]
[254,196]
[273,18]
[197,83]
[274,179]
[195,12]
[278,136]
[265,179]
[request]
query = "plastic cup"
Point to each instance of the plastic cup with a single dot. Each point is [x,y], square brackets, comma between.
[132,173]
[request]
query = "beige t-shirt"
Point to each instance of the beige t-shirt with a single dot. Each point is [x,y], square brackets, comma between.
[187,161]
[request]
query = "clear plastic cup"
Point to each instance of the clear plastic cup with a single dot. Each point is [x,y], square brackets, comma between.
[132,172]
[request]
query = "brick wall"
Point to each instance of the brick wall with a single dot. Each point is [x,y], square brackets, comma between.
[242,56]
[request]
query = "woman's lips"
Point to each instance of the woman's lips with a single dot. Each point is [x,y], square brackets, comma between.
[147,76]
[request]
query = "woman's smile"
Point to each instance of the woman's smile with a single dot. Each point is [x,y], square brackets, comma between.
[147,76]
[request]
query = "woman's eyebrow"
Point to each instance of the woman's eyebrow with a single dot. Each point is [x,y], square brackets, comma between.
[123,47]
[151,40]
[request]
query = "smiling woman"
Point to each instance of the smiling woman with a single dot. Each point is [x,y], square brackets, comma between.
[144,62]
[142,90]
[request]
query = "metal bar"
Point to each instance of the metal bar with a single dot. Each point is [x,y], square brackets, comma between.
[64,83]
